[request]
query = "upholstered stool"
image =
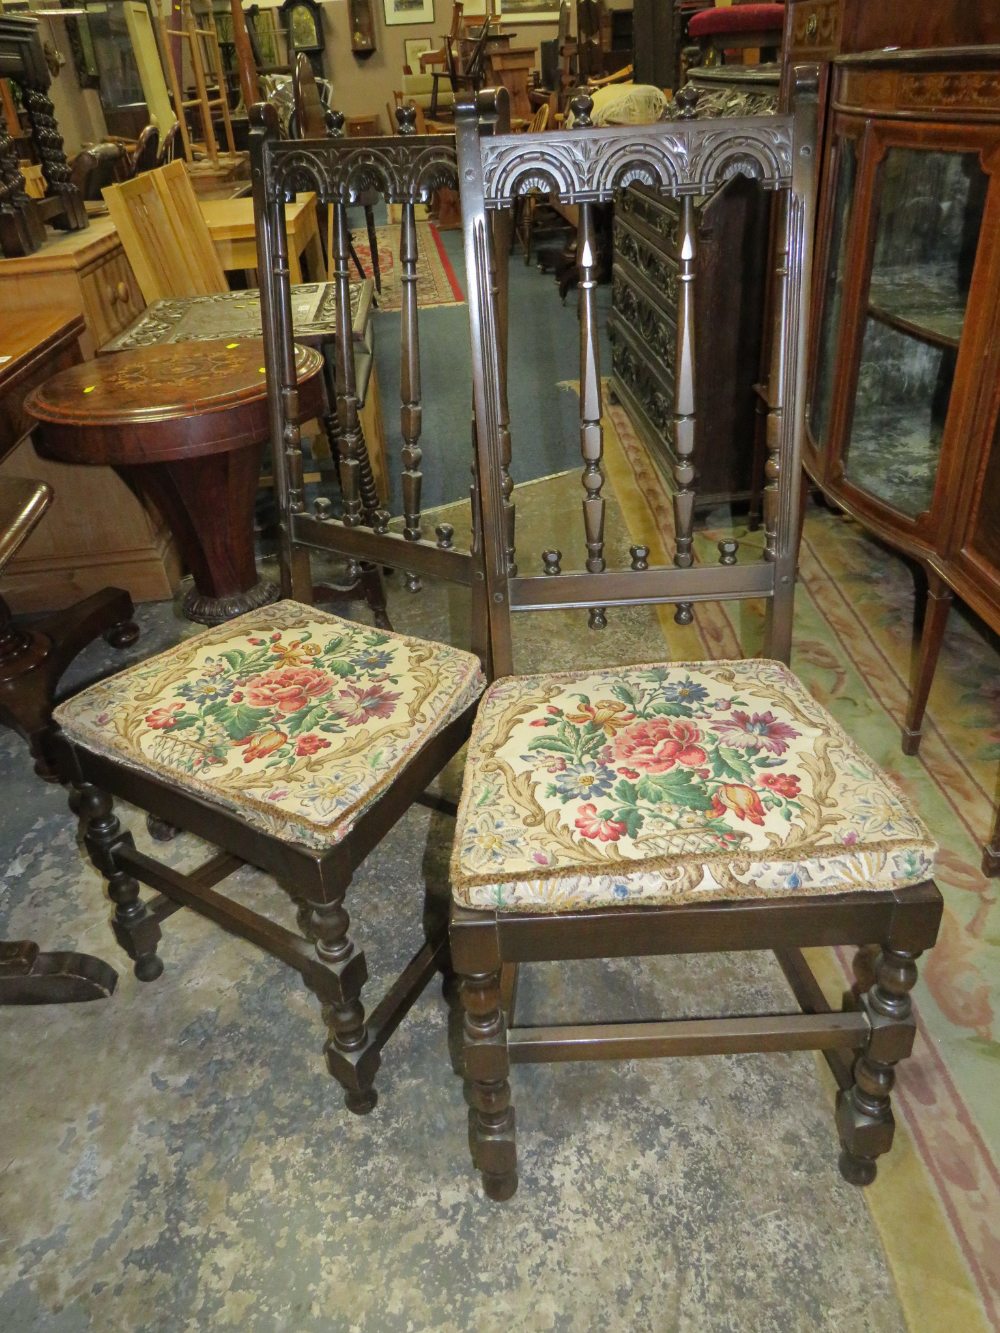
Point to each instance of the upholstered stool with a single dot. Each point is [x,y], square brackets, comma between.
[738,27]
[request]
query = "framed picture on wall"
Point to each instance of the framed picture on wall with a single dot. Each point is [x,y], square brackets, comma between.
[413,49]
[408,11]
[531,11]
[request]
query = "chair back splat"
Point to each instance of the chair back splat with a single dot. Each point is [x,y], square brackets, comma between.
[586,167]
[631,811]
[404,170]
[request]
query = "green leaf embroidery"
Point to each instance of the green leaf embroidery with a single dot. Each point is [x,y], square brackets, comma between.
[675,789]
[728,762]
[305,719]
[239,720]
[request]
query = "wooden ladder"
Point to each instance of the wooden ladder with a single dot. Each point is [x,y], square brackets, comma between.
[196,30]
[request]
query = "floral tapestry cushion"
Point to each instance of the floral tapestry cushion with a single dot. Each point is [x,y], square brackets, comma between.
[670,784]
[294,718]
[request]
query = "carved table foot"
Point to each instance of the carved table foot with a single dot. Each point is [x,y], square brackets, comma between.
[28,976]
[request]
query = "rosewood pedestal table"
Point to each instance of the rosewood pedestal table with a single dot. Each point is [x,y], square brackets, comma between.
[185,425]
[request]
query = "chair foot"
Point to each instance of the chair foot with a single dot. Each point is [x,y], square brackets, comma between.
[500,1188]
[492,1123]
[361,1103]
[857,1170]
[910,743]
[160,830]
[148,967]
[122,635]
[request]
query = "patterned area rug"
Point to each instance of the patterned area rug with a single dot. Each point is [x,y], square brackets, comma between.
[438,283]
[853,613]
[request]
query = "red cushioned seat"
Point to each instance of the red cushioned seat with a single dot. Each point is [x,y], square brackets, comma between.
[737,18]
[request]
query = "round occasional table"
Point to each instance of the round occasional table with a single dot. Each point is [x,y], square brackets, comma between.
[185,425]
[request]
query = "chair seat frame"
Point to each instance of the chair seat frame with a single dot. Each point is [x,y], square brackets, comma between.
[683,158]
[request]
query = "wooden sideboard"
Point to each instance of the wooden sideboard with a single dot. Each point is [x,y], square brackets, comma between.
[98,532]
[730,271]
[85,271]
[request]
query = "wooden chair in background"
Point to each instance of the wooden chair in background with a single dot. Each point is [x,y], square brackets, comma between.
[165,235]
[303,793]
[689,808]
[526,207]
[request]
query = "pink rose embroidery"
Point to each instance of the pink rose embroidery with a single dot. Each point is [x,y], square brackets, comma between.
[657,745]
[592,826]
[288,689]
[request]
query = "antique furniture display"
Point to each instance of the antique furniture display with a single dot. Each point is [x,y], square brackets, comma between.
[303,23]
[22,220]
[231,224]
[902,429]
[171,245]
[98,532]
[731,261]
[180,245]
[642,810]
[511,68]
[338,728]
[189,434]
[314,321]
[33,656]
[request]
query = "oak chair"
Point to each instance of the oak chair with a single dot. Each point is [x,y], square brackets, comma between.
[289,738]
[668,808]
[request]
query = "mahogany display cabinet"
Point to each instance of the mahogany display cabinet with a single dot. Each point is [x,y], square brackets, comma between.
[902,419]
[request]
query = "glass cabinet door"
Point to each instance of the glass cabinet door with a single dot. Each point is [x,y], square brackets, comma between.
[929,213]
[832,298]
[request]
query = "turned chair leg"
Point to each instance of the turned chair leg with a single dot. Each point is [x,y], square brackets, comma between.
[352,1056]
[487,1064]
[864,1111]
[136,929]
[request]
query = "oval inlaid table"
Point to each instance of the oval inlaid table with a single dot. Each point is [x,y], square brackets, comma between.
[185,425]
